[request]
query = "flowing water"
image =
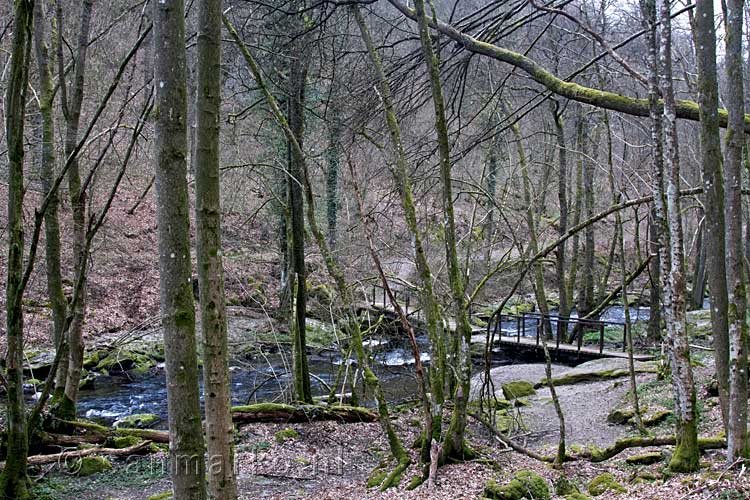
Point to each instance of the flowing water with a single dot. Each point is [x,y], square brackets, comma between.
[266,377]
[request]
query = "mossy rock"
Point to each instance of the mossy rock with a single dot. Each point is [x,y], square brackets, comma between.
[645,458]
[285,435]
[657,418]
[137,421]
[518,389]
[604,483]
[564,486]
[120,442]
[620,416]
[86,466]
[124,361]
[525,484]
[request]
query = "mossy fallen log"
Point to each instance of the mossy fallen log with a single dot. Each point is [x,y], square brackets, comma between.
[63,457]
[278,412]
[95,431]
[600,455]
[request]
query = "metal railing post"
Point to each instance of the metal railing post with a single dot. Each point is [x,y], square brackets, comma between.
[624,337]
[601,338]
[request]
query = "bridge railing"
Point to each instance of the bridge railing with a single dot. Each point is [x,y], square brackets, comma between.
[559,330]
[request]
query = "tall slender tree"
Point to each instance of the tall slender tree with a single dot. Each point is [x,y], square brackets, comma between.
[666,195]
[713,191]
[216,388]
[737,441]
[13,479]
[71,103]
[186,450]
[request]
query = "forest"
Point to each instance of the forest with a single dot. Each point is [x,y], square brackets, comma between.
[374,249]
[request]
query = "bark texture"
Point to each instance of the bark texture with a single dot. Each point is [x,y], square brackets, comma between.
[216,387]
[186,450]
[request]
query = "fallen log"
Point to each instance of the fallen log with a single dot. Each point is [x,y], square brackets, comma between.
[600,455]
[62,457]
[93,433]
[283,413]
[97,431]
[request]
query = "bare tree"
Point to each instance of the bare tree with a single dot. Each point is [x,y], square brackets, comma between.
[186,450]
[222,484]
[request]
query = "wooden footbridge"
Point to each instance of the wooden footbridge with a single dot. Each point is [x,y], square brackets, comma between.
[568,338]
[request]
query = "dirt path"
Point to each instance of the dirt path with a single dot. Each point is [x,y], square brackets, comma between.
[585,405]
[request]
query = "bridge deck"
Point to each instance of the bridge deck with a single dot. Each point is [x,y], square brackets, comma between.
[528,343]
[531,343]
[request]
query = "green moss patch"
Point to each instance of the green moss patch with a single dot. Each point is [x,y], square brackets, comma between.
[645,458]
[518,389]
[285,435]
[525,484]
[604,483]
[137,421]
[86,466]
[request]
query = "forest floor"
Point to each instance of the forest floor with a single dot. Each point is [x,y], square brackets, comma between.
[328,460]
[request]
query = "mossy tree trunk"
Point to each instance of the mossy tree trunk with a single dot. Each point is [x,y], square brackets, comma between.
[222,484]
[737,440]
[686,454]
[454,443]
[13,479]
[71,106]
[186,451]
[296,119]
[562,199]
[333,153]
[57,298]
[713,192]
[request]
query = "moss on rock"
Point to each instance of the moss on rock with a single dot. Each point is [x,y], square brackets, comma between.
[657,418]
[604,483]
[86,466]
[525,484]
[518,389]
[564,486]
[137,421]
[620,415]
[285,435]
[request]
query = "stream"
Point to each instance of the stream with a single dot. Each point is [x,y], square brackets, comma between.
[266,377]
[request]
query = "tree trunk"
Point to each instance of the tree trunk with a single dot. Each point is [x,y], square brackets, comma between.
[57,298]
[654,275]
[686,454]
[296,119]
[186,451]
[13,480]
[72,112]
[454,443]
[698,292]
[737,441]
[216,387]
[562,198]
[713,192]
[332,174]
